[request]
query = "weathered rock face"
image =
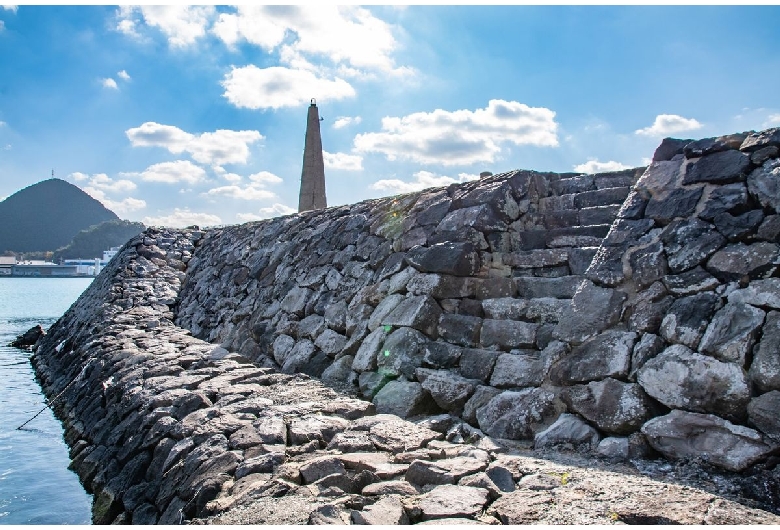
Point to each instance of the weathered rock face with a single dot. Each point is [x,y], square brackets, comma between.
[506,302]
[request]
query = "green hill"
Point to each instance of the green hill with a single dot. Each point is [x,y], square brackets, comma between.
[91,243]
[47,216]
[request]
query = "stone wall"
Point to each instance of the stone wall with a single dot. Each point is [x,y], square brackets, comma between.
[598,311]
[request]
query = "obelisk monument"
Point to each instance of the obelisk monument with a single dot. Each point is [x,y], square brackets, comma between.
[312,195]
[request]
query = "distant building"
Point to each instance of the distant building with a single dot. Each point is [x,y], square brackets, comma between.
[69,268]
[6,265]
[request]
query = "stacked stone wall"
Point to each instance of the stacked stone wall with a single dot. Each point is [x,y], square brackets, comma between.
[622,315]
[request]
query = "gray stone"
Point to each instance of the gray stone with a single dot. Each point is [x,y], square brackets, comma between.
[261,464]
[713,145]
[505,308]
[648,347]
[383,309]
[370,383]
[402,398]
[481,396]
[296,299]
[593,309]
[517,371]
[765,370]
[682,434]
[659,177]
[737,261]
[763,184]
[688,317]
[519,415]
[607,266]
[762,412]
[689,242]
[693,281]
[299,355]
[770,228]
[680,202]
[281,348]
[647,310]
[330,342]
[763,154]
[562,287]
[450,501]
[315,428]
[498,194]
[311,327]
[732,333]
[614,449]
[329,514]
[418,312]
[366,356]
[320,467]
[607,355]
[336,316]
[396,435]
[459,329]
[760,293]
[648,265]
[567,430]
[440,355]
[457,259]
[477,364]
[441,286]
[339,371]
[392,487]
[736,227]
[761,139]
[721,167]
[386,511]
[683,379]
[446,471]
[523,507]
[721,199]
[401,353]
[271,430]
[613,406]
[668,148]
[448,390]
[507,334]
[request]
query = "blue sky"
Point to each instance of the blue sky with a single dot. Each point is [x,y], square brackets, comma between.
[180,115]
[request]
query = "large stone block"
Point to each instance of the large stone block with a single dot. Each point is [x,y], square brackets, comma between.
[419,312]
[763,184]
[762,412]
[448,390]
[483,218]
[568,430]
[366,356]
[606,355]
[517,371]
[689,242]
[761,139]
[441,286]
[721,199]
[732,333]
[683,379]
[680,202]
[613,406]
[759,293]
[477,364]
[688,317]
[765,370]
[507,334]
[384,308]
[457,259]
[682,435]
[440,355]
[593,309]
[722,167]
[519,415]
[401,353]
[737,261]
[402,398]
[462,330]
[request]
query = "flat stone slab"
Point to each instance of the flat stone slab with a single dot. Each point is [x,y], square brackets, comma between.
[448,501]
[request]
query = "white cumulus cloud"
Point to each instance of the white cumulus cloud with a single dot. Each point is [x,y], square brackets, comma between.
[121,206]
[772,121]
[252,192]
[594,166]
[277,86]
[104,182]
[342,161]
[265,177]
[462,136]
[666,124]
[109,83]
[172,172]
[422,180]
[182,25]
[182,217]
[275,210]
[343,121]
[216,148]
[99,185]
[124,75]
[346,35]
[13,9]
[2,25]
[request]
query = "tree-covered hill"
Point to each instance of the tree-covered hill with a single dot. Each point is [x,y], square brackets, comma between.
[91,243]
[47,216]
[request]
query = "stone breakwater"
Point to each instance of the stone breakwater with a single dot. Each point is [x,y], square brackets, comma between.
[627,314]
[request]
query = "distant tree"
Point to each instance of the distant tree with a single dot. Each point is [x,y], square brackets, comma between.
[91,243]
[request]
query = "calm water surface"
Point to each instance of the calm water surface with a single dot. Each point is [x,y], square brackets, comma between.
[35,485]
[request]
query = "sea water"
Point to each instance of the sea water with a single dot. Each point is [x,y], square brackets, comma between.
[36,486]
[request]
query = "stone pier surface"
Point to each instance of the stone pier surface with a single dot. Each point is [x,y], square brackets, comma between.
[529,347]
